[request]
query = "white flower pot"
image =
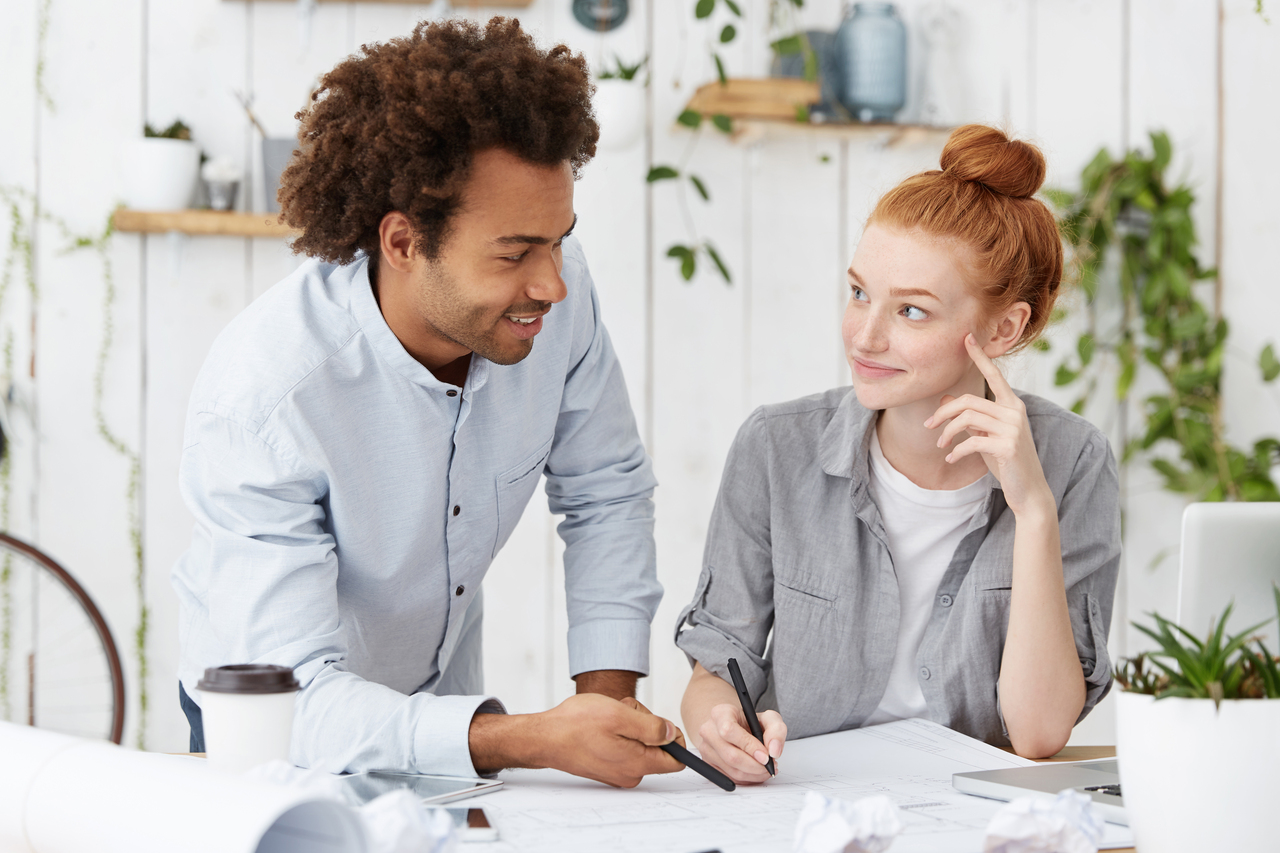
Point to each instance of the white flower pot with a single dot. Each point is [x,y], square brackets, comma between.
[160,174]
[1196,778]
[619,107]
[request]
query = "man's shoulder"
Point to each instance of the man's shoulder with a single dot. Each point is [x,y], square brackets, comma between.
[281,338]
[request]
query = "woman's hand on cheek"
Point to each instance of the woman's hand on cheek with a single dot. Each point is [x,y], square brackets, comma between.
[999,431]
[725,742]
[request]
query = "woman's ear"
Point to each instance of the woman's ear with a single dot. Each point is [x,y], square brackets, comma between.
[1007,330]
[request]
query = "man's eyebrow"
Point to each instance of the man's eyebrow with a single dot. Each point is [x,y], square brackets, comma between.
[522,239]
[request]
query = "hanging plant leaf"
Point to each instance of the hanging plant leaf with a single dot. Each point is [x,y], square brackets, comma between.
[715,258]
[723,123]
[1084,347]
[704,9]
[688,264]
[661,173]
[720,74]
[788,45]
[700,187]
[1269,364]
[690,118]
[727,34]
[733,7]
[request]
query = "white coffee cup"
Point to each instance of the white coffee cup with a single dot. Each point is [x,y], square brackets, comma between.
[247,710]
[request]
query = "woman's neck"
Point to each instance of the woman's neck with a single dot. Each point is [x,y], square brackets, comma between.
[913,450]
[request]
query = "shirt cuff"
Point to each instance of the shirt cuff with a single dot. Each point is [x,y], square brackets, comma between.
[609,644]
[442,741]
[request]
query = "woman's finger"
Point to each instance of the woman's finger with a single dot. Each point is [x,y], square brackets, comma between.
[733,761]
[975,444]
[775,732]
[969,421]
[968,402]
[999,386]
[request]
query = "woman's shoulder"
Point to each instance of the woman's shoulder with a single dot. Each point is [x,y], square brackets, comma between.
[809,414]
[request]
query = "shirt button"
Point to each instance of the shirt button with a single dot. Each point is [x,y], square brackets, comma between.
[451,393]
[460,590]
[457,509]
[924,673]
[945,600]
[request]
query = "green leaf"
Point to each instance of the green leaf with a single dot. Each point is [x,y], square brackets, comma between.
[1084,347]
[690,118]
[688,264]
[1163,150]
[661,173]
[700,187]
[1060,199]
[715,258]
[1065,375]
[1269,364]
[704,10]
[802,113]
[1040,345]
[826,158]
[727,34]
[789,45]
[723,123]
[733,7]
[720,74]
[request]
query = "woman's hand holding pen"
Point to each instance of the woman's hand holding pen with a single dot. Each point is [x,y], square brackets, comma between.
[998,430]
[726,743]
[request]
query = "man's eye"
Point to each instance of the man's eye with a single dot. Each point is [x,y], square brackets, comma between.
[514,257]
[918,315]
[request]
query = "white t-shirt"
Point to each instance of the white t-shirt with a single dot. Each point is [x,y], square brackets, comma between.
[923,527]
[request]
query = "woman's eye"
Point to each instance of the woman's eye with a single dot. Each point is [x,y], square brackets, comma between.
[860,294]
[917,315]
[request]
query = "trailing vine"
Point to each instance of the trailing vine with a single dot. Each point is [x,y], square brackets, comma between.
[1125,206]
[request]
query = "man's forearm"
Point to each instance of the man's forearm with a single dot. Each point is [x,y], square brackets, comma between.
[615,683]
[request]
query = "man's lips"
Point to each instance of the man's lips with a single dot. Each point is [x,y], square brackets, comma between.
[523,331]
[871,370]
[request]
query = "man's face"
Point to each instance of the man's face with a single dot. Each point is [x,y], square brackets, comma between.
[498,272]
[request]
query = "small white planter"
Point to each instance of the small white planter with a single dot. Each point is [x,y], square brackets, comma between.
[619,108]
[160,174]
[1196,778]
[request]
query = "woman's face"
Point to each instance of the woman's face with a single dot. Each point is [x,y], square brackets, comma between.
[909,311]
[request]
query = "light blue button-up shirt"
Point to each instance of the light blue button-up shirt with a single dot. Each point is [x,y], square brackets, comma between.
[348,505]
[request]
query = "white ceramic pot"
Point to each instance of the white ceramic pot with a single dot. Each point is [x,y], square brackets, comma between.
[160,174]
[1196,778]
[619,107]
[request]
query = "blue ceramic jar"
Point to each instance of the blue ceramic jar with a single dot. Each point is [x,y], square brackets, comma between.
[871,54]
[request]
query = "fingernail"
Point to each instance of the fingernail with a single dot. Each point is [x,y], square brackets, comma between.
[948,457]
[928,424]
[671,731]
[762,756]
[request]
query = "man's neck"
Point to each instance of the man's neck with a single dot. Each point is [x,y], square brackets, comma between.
[418,341]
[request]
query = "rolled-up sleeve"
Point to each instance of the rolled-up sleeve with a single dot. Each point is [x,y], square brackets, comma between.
[732,609]
[269,572]
[600,478]
[1089,526]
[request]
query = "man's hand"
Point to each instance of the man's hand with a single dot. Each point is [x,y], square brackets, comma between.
[611,741]
[615,683]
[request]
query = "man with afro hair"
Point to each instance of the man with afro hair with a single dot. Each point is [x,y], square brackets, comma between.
[362,439]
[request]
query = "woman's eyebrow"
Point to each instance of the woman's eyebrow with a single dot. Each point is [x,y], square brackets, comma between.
[905,292]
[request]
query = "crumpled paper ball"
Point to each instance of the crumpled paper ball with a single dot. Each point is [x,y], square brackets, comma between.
[828,825]
[396,822]
[1066,824]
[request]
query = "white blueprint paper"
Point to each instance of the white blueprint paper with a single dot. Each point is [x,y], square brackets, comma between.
[911,761]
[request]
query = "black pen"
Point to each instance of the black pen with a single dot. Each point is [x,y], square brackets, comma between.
[697,765]
[749,711]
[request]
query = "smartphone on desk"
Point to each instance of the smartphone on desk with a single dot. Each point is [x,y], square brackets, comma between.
[473,825]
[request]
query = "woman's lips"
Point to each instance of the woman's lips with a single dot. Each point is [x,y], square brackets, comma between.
[870,370]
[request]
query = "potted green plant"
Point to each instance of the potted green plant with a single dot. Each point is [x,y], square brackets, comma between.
[619,104]
[1198,740]
[161,168]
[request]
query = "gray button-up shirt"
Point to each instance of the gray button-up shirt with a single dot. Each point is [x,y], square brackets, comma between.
[796,547]
[348,505]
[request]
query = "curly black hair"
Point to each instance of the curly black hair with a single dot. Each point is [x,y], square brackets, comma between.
[395,127]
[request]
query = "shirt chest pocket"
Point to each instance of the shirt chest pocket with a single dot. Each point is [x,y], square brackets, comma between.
[515,486]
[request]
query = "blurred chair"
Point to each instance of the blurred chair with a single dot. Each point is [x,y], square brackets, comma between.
[1230,553]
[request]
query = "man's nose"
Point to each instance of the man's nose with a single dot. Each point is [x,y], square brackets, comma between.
[545,283]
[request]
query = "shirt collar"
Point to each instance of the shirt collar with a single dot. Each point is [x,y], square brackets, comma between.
[846,442]
[364,307]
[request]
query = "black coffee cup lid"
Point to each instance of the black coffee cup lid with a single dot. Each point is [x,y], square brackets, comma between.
[248,678]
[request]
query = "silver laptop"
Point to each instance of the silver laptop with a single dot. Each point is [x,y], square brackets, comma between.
[1099,779]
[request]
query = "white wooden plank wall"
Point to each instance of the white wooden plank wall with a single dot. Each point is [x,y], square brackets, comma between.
[785,215]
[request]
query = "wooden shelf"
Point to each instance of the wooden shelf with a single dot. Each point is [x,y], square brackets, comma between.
[216,222]
[767,107]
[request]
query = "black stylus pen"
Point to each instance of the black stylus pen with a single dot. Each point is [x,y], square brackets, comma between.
[748,710]
[697,765]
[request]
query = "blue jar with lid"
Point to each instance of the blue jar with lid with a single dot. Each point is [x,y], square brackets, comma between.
[871,54]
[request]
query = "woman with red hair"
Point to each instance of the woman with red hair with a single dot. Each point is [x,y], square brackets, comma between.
[930,542]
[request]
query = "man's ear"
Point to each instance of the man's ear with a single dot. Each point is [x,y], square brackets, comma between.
[397,242]
[1007,330]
